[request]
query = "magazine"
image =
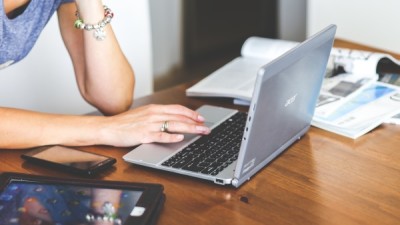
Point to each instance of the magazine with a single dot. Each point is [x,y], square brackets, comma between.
[339,89]
[385,66]
[363,112]
[361,62]
[394,79]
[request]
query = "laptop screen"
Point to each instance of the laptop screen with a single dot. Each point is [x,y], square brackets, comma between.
[284,101]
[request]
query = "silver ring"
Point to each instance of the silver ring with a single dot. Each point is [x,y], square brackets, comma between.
[164,127]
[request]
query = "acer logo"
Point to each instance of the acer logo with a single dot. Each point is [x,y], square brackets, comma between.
[290,100]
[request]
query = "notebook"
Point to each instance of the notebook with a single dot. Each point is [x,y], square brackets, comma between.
[281,110]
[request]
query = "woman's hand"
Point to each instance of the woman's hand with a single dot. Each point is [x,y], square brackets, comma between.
[144,125]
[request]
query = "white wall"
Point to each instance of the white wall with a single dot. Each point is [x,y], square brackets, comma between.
[166,21]
[44,81]
[292,19]
[132,25]
[370,22]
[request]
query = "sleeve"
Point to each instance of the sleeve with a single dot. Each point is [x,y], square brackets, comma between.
[66,1]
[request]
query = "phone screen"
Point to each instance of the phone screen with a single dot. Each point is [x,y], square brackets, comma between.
[70,157]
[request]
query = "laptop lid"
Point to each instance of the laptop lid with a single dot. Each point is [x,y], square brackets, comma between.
[283,103]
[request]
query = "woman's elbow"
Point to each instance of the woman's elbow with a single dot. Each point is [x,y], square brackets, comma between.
[111,104]
[115,106]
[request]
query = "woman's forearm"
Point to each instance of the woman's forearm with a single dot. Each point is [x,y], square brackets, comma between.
[25,129]
[105,77]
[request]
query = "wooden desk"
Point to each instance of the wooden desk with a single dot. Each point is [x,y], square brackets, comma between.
[322,179]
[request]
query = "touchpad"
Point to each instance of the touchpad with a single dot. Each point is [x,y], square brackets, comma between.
[155,153]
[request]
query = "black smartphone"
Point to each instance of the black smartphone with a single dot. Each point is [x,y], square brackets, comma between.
[69,159]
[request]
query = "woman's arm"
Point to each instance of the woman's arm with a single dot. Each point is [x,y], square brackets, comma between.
[106,80]
[26,129]
[105,77]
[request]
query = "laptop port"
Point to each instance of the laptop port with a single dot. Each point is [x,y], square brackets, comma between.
[219,181]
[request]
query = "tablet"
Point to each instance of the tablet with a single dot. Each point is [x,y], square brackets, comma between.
[33,199]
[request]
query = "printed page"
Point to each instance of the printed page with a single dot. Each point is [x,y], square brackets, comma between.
[360,62]
[339,89]
[237,78]
[393,79]
[266,48]
[364,112]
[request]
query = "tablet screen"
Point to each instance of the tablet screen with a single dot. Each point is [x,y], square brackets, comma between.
[24,202]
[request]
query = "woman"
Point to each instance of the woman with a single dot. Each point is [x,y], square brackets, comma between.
[105,80]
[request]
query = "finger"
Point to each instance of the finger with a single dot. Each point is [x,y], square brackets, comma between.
[161,118]
[178,110]
[181,127]
[163,137]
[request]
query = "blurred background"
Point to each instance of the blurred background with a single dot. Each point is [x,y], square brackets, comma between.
[192,38]
[172,41]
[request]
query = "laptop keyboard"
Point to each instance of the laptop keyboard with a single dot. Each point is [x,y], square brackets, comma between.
[212,153]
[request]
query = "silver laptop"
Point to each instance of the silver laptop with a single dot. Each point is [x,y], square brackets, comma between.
[280,113]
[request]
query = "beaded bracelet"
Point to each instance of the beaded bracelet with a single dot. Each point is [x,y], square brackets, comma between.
[99,32]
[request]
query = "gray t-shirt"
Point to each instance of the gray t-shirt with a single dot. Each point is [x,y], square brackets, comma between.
[18,35]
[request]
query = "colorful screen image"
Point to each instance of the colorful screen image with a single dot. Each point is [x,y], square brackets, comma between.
[23,202]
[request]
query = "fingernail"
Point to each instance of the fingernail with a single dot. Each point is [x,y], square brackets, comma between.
[203,129]
[200,118]
[179,137]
